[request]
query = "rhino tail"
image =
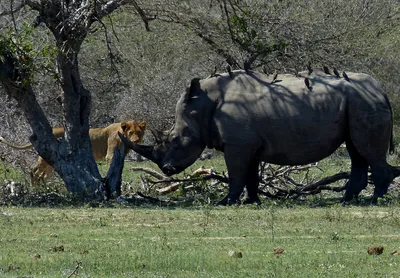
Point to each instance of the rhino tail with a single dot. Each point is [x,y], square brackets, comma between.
[391,145]
[395,171]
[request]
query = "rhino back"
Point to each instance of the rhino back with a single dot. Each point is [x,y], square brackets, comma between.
[284,120]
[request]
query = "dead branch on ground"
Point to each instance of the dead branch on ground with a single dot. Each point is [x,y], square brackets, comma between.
[277,182]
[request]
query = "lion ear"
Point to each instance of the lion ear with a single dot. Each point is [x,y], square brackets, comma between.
[124,126]
[142,125]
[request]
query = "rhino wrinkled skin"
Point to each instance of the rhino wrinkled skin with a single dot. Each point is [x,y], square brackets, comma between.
[252,119]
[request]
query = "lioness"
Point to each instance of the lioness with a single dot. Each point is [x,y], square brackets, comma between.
[104,141]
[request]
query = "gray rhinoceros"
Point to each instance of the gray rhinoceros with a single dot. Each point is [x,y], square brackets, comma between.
[286,122]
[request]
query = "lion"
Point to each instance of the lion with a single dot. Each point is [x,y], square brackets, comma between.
[103,140]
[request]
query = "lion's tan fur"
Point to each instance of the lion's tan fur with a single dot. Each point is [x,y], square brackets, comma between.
[103,140]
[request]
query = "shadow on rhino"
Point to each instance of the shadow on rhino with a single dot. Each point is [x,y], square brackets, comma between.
[299,120]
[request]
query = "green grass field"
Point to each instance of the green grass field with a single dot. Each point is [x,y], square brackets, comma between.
[197,242]
[319,237]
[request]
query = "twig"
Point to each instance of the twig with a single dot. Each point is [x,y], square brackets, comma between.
[195,179]
[151,172]
[75,272]
[142,14]
[325,181]
[13,9]
[110,52]
[170,188]
[148,197]
[13,17]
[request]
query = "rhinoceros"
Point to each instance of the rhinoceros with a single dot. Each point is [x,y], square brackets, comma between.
[252,118]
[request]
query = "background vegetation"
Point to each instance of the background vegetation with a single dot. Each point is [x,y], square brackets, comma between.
[137,74]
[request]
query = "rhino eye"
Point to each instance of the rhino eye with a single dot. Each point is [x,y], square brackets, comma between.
[174,138]
[193,113]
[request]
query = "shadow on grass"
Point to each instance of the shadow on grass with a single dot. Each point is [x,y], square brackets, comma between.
[140,201]
[54,195]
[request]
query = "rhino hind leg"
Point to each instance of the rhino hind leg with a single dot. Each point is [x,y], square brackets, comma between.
[359,173]
[382,175]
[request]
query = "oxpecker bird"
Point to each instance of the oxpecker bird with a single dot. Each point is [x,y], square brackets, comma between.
[214,72]
[247,66]
[336,72]
[264,69]
[229,70]
[309,68]
[59,100]
[307,82]
[345,77]
[275,76]
[326,69]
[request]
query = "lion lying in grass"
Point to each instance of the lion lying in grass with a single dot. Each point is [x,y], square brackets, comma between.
[104,141]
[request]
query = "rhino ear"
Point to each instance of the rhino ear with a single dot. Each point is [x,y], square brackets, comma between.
[159,135]
[194,89]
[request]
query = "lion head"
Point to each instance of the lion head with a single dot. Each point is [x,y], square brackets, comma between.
[133,130]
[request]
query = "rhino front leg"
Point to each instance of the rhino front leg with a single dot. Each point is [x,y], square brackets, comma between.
[252,183]
[237,160]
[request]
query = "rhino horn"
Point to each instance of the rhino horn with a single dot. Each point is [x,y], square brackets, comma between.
[143,150]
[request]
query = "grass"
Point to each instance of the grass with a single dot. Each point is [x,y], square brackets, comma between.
[125,240]
[195,242]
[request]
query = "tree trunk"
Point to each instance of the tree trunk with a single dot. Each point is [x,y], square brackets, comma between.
[76,165]
[71,157]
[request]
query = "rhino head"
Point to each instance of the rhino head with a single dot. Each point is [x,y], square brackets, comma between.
[178,148]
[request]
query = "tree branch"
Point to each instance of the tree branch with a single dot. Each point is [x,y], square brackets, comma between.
[110,52]
[17,84]
[207,38]
[142,15]
[17,8]
[34,5]
[109,7]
